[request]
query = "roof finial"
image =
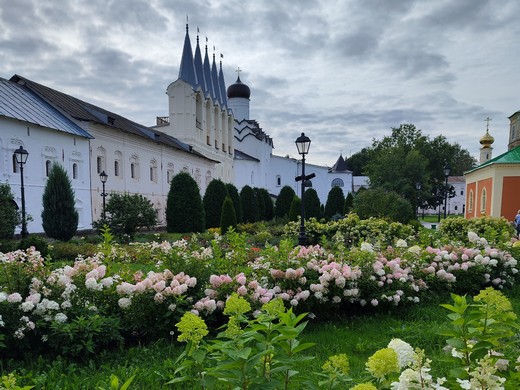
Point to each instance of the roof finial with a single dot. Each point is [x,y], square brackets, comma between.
[186,23]
[488,119]
[238,71]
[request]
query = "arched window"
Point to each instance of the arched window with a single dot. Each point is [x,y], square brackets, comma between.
[169,173]
[116,168]
[337,183]
[48,165]
[99,164]
[153,170]
[16,166]
[74,171]
[470,201]
[198,111]
[134,167]
[278,180]
[483,200]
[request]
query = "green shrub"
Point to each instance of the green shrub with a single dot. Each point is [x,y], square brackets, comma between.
[8,245]
[283,202]
[249,204]
[379,203]
[235,197]
[268,204]
[184,211]
[296,209]
[312,204]
[349,203]
[214,197]
[228,217]
[59,216]
[335,202]
[127,213]
[70,250]
[39,243]
[8,212]
[494,230]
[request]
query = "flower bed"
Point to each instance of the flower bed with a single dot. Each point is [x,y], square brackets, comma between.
[98,302]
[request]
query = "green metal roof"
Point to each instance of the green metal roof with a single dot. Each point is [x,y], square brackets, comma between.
[510,157]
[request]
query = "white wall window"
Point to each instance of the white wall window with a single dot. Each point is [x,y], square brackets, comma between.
[169,173]
[116,168]
[278,180]
[48,165]
[153,171]
[134,167]
[74,170]
[99,164]
[16,166]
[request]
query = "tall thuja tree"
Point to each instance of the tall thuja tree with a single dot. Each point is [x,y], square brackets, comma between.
[59,216]
[283,202]
[184,208]
[296,209]
[213,199]
[349,203]
[235,197]
[249,204]
[312,204]
[335,202]
[8,212]
[261,204]
[268,204]
[228,218]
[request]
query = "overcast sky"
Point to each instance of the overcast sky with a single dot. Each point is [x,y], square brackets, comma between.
[343,72]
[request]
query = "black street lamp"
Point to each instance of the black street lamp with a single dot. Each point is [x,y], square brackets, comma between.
[103,176]
[418,188]
[447,170]
[303,143]
[21,156]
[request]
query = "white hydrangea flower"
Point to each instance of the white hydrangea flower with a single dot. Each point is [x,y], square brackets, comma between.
[401,243]
[405,352]
[60,318]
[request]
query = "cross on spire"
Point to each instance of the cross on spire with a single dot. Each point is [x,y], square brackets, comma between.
[238,71]
[488,119]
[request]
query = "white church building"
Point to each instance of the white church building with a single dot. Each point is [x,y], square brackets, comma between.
[207,133]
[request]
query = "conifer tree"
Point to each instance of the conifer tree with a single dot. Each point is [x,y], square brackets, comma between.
[249,204]
[261,204]
[8,212]
[213,200]
[184,209]
[335,202]
[296,209]
[312,204]
[283,202]
[235,197]
[268,204]
[228,218]
[59,216]
[349,203]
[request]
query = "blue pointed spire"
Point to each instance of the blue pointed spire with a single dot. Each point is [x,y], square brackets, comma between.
[222,84]
[199,72]
[207,76]
[187,68]
[214,79]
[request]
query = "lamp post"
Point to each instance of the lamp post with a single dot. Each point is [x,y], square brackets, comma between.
[21,156]
[418,188]
[103,176]
[447,170]
[303,144]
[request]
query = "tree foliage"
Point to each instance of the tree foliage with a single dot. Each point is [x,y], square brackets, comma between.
[9,214]
[358,161]
[235,197]
[184,210]
[213,199]
[228,218]
[349,203]
[283,202]
[249,204]
[127,213]
[384,204]
[407,160]
[312,204]
[268,207]
[335,202]
[261,204]
[59,215]
[296,209]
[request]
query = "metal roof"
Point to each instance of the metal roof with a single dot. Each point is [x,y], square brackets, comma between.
[20,103]
[510,157]
[84,111]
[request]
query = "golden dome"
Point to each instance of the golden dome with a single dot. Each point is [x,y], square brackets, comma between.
[486,140]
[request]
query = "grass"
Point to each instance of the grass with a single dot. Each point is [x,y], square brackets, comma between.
[358,336]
